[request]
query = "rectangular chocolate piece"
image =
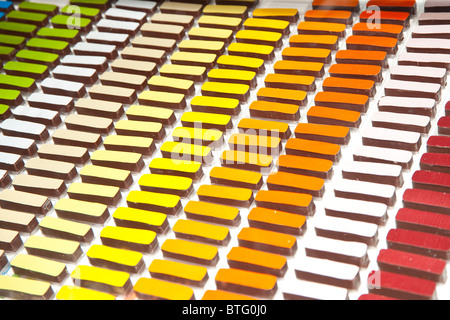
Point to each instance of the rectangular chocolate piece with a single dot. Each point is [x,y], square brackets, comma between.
[11,162]
[435,162]
[99,108]
[119,40]
[277,221]
[257,261]
[267,241]
[427,200]
[387,44]
[142,219]
[226,10]
[246,161]
[122,14]
[77,155]
[162,31]
[14,288]
[268,38]
[210,212]
[152,288]
[180,186]
[193,73]
[342,100]
[328,272]
[369,191]
[349,85]
[408,105]
[434,18]
[118,160]
[333,16]
[151,201]
[425,59]
[99,63]
[66,229]
[406,122]
[246,282]
[113,94]
[83,211]
[109,25]
[427,244]
[411,264]
[115,258]
[308,290]
[390,138]
[291,182]
[77,138]
[382,30]
[273,110]
[188,169]
[412,89]
[373,172]
[324,133]
[63,87]
[51,168]
[206,137]
[402,6]
[225,195]
[95,49]
[428,45]
[438,144]
[198,253]
[147,6]
[358,210]
[143,54]
[84,75]
[358,71]
[350,5]
[26,202]
[288,14]
[107,195]
[17,145]
[286,201]
[311,148]
[399,286]
[10,241]
[347,230]
[233,76]
[143,68]
[315,41]
[332,116]
[108,281]
[5,179]
[264,24]
[90,124]
[25,129]
[388,17]
[202,232]
[49,187]
[444,125]
[403,158]
[48,118]
[337,250]
[138,240]
[378,58]
[431,31]
[107,176]
[310,166]
[175,7]
[424,221]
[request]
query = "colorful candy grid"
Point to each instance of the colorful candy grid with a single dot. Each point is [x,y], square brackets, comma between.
[267,203]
